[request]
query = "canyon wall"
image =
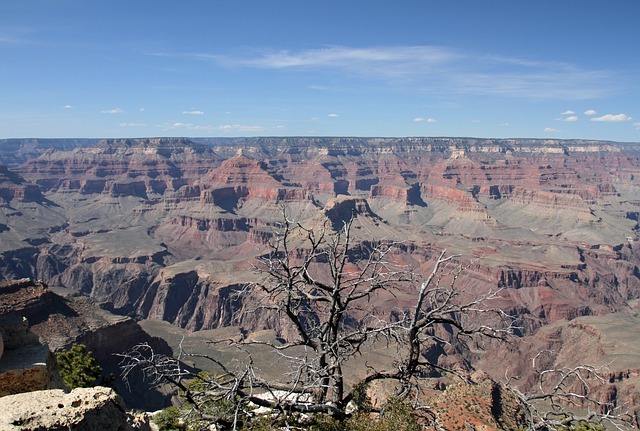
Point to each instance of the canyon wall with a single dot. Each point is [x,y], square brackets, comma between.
[164,227]
[169,228]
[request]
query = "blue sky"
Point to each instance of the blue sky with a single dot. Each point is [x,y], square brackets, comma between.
[543,68]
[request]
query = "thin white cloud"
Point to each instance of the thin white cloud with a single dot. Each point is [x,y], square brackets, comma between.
[132,125]
[567,116]
[241,128]
[611,118]
[590,112]
[637,124]
[177,125]
[550,130]
[15,35]
[432,68]
[141,109]
[194,112]
[421,120]
[211,128]
[114,111]
[342,56]
[504,124]
[333,115]
[68,107]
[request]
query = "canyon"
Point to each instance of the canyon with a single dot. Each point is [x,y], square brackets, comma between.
[169,228]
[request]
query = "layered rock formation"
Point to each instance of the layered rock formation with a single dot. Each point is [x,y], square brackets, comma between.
[168,228]
[25,364]
[130,219]
[56,324]
[610,344]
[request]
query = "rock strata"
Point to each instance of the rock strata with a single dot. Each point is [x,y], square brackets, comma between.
[61,322]
[25,364]
[168,228]
[124,220]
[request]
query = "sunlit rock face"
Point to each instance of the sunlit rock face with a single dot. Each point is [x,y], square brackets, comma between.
[162,227]
[82,409]
[170,228]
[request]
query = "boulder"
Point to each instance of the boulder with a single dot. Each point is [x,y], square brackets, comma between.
[83,409]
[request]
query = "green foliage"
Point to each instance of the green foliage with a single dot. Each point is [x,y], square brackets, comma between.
[296,421]
[396,415]
[78,368]
[220,408]
[361,400]
[169,419]
[584,426]
[326,423]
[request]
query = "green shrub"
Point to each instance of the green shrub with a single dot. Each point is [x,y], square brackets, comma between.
[584,426]
[169,419]
[78,368]
[396,415]
[361,399]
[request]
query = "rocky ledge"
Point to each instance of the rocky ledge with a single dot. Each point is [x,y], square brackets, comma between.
[83,409]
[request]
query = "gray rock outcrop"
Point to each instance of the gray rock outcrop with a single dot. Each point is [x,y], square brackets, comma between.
[84,409]
[26,364]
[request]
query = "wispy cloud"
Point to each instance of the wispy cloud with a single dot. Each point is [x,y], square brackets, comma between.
[421,120]
[211,128]
[68,107]
[568,116]
[611,118]
[241,128]
[551,130]
[343,57]
[15,35]
[590,112]
[433,68]
[171,126]
[333,115]
[193,112]
[637,125]
[114,111]
[132,125]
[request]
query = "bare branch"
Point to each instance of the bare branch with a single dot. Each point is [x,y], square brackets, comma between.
[321,285]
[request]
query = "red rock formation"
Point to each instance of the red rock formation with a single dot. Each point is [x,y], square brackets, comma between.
[191,200]
[13,186]
[167,228]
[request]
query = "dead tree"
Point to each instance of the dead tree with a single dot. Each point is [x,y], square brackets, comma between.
[563,397]
[322,283]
